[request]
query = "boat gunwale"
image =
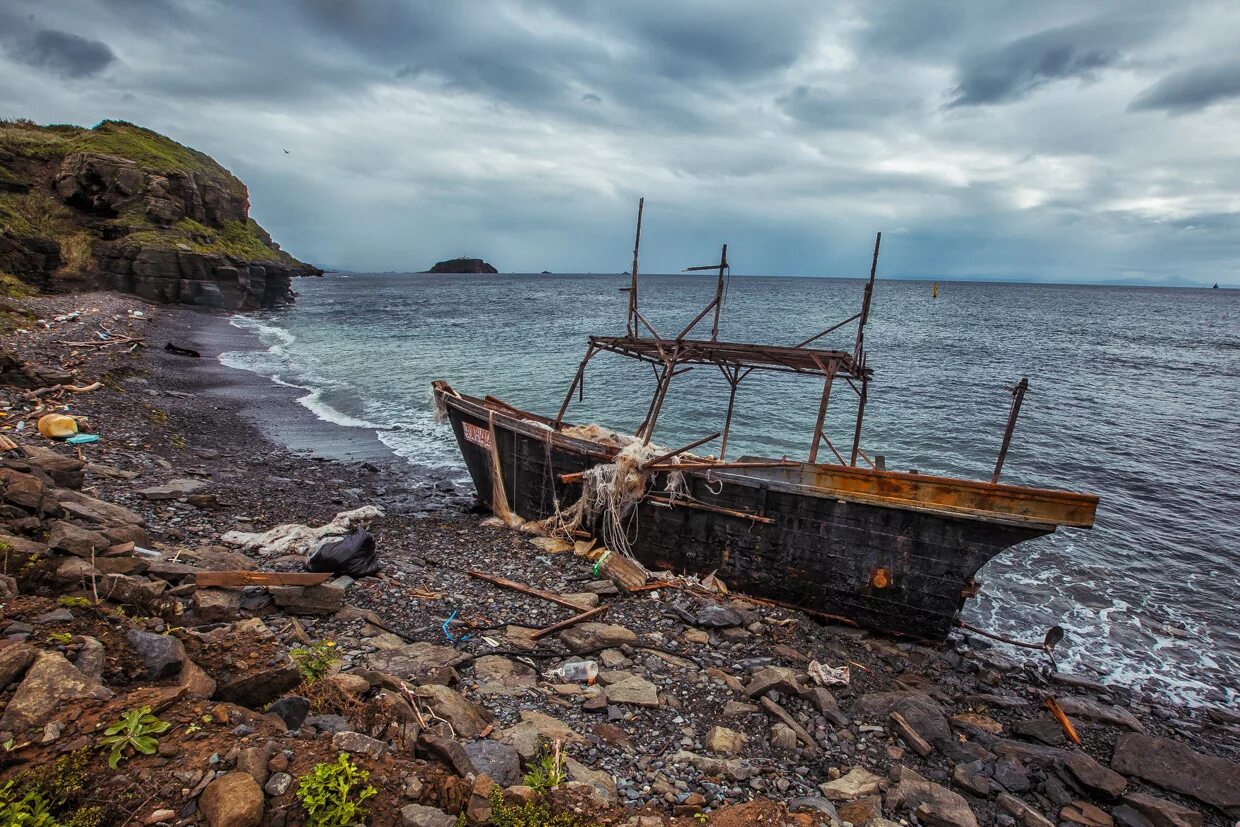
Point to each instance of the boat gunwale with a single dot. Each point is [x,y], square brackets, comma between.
[544,430]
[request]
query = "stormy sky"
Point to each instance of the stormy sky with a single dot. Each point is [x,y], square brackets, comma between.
[1059,141]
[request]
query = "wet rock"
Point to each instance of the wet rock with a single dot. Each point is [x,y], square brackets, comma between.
[825,702]
[860,811]
[416,660]
[1025,815]
[716,616]
[857,783]
[171,490]
[724,741]
[163,655]
[14,661]
[1094,777]
[933,804]
[585,638]
[971,778]
[71,539]
[1085,814]
[449,751]
[1176,767]
[1011,775]
[98,512]
[323,599]
[417,815]
[467,718]
[357,742]
[232,800]
[1091,710]
[634,690]
[216,605]
[773,678]
[498,675]
[783,738]
[50,682]
[923,715]
[1163,813]
[257,689]
[278,784]
[535,727]
[500,761]
[1046,730]
[292,710]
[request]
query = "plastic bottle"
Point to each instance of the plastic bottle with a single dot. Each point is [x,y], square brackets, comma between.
[580,671]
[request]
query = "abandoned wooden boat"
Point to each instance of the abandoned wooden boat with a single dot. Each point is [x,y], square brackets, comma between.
[886,550]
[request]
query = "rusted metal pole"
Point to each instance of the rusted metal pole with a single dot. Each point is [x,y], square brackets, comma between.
[1018,396]
[723,265]
[657,406]
[631,319]
[822,411]
[678,451]
[865,383]
[577,379]
[734,381]
[865,302]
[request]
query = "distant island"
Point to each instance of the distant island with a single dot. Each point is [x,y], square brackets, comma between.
[462,265]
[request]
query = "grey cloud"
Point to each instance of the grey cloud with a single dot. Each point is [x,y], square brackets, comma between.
[1015,69]
[590,97]
[1191,89]
[828,109]
[64,53]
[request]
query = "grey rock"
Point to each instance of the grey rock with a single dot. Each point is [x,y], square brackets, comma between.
[259,688]
[75,540]
[323,599]
[292,710]
[1011,775]
[1094,777]
[278,784]
[1174,766]
[497,760]
[1025,815]
[1163,813]
[773,678]
[417,815]
[1091,710]
[357,742]
[716,616]
[163,655]
[171,490]
[933,804]
[14,661]
[591,637]
[50,682]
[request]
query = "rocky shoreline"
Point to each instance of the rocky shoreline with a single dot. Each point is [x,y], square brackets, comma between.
[705,708]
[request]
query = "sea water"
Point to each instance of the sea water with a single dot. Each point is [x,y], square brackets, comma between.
[1134,395]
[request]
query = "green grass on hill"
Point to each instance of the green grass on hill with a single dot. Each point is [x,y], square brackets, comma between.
[120,138]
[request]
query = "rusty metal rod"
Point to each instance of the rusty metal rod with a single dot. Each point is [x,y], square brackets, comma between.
[715,509]
[836,326]
[580,375]
[564,624]
[689,447]
[727,420]
[860,416]
[1018,396]
[822,411]
[865,301]
[631,321]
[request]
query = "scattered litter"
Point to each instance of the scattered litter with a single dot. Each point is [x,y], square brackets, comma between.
[57,426]
[828,675]
[552,545]
[578,671]
[293,538]
[353,555]
[82,439]
[453,638]
[182,351]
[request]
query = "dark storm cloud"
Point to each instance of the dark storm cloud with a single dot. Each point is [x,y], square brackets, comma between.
[1020,66]
[64,53]
[1191,89]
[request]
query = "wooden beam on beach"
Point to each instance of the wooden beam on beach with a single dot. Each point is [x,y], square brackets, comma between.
[239,578]
[564,624]
[513,585]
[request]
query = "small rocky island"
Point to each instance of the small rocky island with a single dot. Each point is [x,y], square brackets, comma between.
[462,265]
[125,208]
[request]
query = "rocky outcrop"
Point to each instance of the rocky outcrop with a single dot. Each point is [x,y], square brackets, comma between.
[123,208]
[462,265]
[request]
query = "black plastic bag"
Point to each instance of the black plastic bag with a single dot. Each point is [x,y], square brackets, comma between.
[353,555]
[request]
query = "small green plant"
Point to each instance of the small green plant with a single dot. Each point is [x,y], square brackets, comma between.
[137,730]
[547,772]
[25,808]
[701,818]
[73,602]
[528,814]
[316,660]
[63,638]
[333,794]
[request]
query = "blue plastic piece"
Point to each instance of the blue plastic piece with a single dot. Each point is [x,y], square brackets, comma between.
[82,439]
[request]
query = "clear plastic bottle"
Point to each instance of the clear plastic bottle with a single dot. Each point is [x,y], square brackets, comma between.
[579,671]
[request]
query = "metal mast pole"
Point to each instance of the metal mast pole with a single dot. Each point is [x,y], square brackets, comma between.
[631,320]
[1018,396]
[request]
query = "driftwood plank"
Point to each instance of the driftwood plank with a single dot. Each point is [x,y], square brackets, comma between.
[564,624]
[236,579]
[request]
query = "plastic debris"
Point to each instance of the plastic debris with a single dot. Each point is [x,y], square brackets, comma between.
[82,439]
[57,426]
[353,555]
[454,638]
[292,538]
[579,671]
[828,675]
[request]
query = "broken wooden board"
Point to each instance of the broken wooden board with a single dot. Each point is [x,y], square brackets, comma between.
[237,579]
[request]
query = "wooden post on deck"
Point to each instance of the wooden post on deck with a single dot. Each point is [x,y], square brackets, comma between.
[631,319]
[734,380]
[865,303]
[822,411]
[577,379]
[865,382]
[1018,396]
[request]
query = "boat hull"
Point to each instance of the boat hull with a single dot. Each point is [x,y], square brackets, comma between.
[896,568]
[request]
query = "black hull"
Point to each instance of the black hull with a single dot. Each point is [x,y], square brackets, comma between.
[893,569]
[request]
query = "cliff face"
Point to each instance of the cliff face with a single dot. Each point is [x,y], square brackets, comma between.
[121,207]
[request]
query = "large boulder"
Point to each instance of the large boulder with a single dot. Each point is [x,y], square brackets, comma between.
[1174,766]
[933,804]
[232,800]
[50,683]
